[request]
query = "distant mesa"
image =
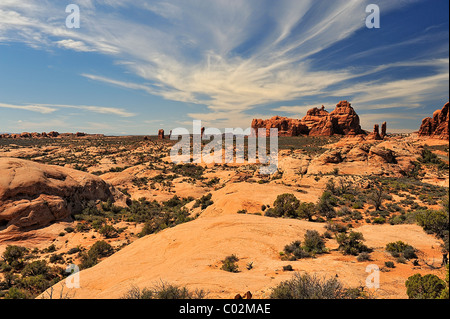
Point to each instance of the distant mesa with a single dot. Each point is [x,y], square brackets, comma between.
[317,122]
[52,134]
[436,126]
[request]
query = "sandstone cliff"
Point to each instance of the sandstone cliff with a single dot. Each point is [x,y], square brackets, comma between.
[436,126]
[317,122]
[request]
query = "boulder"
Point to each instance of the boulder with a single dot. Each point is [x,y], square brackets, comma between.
[33,195]
[381,154]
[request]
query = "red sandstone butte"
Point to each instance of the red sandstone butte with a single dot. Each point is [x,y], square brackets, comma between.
[317,122]
[437,126]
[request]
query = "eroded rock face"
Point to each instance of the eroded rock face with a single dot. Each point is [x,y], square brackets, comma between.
[33,195]
[285,126]
[437,126]
[347,119]
[317,122]
[161,134]
[375,135]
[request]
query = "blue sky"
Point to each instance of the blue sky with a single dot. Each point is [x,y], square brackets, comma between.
[135,66]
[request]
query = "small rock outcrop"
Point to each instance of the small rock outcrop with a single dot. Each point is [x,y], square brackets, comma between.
[161,134]
[436,126]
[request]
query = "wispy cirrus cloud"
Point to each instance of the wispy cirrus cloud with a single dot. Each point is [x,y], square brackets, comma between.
[230,56]
[51,108]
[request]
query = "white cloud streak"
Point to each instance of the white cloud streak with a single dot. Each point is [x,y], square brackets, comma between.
[213,53]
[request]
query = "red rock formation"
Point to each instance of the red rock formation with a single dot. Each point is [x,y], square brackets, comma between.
[347,119]
[33,195]
[317,122]
[375,135]
[161,134]
[383,129]
[285,126]
[437,126]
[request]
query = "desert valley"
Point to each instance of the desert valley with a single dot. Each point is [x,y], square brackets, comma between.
[343,203]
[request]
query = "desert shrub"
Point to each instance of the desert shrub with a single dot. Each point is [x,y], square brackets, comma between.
[313,242]
[424,287]
[16,293]
[308,287]
[336,228]
[288,268]
[286,205]
[325,205]
[204,201]
[35,268]
[351,244]
[379,220]
[14,254]
[73,250]
[364,256]
[435,222]
[306,210]
[99,250]
[428,157]
[108,231]
[295,251]
[399,248]
[389,264]
[164,290]
[229,264]
[444,293]
[189,170]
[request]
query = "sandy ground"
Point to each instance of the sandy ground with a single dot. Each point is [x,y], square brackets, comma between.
[190,255]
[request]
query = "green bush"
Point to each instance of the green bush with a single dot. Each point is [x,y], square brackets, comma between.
[313,242]
[424,287]
[14,253]
[325,205]
[308,287]
[164,290]
[286,205]
[351,244]
[399,248]
[229,264]
[306,210]
[364,256]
